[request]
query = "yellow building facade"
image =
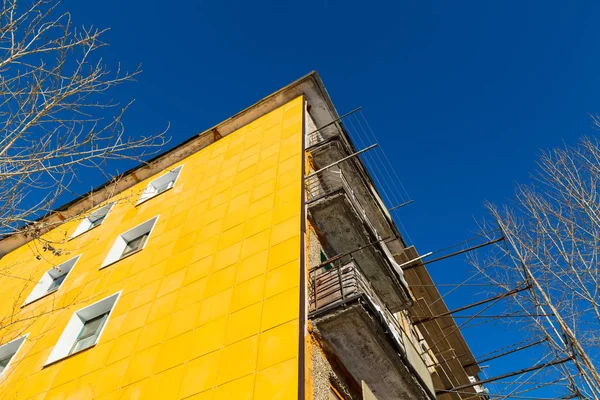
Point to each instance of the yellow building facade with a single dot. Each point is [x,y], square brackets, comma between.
[256,260]
[209,309]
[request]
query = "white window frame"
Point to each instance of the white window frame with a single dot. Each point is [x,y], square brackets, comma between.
[116,251]
[11,349]
[86,224]
[41,288]
[169,179]
[70,334]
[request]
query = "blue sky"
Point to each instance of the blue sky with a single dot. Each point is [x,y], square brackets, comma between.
[463,95]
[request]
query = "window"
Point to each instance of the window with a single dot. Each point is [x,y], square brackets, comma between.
[130,242]
[166,186]
[83,329]
[89,333]
[160,185]
[324,258]
[135,244]
[51,280]
[93,220]
[4,363]
[96,220]
[56,283]
[8,351]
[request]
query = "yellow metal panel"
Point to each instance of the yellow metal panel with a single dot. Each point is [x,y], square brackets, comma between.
[280,308]
[281,279]
[141,365]
[278,382]
[209,337]
[278,344]
[243,323]
[238,359]
[209,309]
[248,293]
[239,389]
[200,374]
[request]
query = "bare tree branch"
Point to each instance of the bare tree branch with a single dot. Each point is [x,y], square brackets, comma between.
[553,229]
[56,117]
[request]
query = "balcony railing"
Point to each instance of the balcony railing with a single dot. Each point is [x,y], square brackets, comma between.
[341,281]
[332,284]
[318,136]
[330,181]
[347,226]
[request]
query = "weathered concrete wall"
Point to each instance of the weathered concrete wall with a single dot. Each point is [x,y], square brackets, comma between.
[366,352]
[324,375]
[314,248]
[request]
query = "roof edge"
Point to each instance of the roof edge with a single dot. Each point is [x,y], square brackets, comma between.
[309,85]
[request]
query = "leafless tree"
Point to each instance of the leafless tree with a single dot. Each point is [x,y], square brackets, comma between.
[58,125]
[552,233]
[57,120]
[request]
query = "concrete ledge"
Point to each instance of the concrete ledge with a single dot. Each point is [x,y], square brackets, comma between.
[362,345]
[344,230]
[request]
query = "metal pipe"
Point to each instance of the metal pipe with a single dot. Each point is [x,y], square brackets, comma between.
[339,272]
[508,375]
[401,205]
[335,120]
[477,303]
[456,253]
[415,259]
[339,161]
[335,258]
[505,353]
[497,316]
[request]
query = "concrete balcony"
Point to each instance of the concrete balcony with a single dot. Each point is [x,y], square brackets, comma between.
[336,211]
[352,320]
[335,146]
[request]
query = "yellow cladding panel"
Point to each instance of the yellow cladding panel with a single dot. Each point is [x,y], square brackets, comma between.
[209,309]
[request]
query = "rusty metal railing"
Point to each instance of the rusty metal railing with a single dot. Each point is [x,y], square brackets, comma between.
[328,130]
[340,281]
[329,181]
